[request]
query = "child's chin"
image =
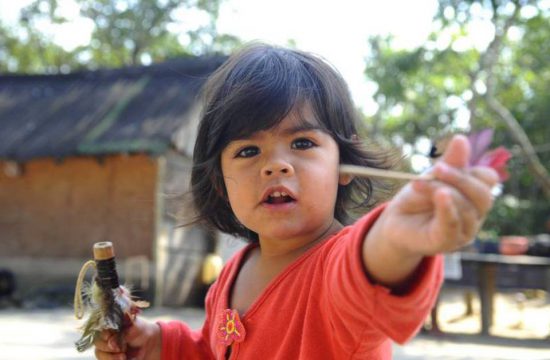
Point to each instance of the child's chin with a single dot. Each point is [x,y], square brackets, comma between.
[284,231]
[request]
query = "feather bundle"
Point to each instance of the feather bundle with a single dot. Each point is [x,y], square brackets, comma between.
[110,305]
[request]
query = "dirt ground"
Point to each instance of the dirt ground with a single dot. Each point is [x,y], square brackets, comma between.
[49,334]
[517,315]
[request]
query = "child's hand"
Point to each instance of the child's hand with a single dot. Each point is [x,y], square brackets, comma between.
[142,341]
[444,214]
[430,217]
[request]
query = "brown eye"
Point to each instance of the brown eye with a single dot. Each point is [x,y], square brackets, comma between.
[247,152]
[302,144]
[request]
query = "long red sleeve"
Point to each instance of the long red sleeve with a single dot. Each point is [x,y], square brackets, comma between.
[322,306]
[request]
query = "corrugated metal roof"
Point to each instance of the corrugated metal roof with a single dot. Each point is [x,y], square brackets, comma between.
[98,112]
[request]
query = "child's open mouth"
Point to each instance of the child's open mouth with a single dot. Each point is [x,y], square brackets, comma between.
[279,197]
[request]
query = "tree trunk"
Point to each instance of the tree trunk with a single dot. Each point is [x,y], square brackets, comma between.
[518,134]
[488,62]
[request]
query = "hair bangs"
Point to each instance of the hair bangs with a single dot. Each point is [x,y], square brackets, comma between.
[275,85]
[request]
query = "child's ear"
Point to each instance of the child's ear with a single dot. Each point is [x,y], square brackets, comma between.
[345,179]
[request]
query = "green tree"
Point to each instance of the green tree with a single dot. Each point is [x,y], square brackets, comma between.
[450,85]
[28,50]
[125,32]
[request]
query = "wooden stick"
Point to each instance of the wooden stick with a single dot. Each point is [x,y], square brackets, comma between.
[104,250]
[373,172]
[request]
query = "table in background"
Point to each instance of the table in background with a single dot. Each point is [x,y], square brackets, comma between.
[489,273]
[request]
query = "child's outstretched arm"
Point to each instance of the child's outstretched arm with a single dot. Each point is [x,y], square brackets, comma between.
[429,217]
[142,341]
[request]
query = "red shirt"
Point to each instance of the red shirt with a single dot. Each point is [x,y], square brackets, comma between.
[322,306]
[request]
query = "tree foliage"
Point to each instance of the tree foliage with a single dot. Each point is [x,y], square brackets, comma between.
[456,83]
[124,32]
[31,51]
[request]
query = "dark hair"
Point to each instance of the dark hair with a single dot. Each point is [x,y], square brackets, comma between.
[254,90]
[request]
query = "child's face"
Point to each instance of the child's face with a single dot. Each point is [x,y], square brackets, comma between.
[282,182]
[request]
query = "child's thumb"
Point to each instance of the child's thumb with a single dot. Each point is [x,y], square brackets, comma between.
[141,338]
[458,151]
[136,334]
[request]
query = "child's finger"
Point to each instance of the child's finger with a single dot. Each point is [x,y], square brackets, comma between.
[447,220]
[486,174]
[101,355]
[460,209]
[107,348]
[458,151]
[107,342]
[134,333]
[475,190]
[469,216]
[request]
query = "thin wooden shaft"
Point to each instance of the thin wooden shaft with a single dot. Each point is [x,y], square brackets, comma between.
[390,174]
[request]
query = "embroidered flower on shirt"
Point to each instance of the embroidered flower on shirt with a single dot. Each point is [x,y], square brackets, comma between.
[230,327]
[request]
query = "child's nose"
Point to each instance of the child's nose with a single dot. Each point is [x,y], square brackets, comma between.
[278,167]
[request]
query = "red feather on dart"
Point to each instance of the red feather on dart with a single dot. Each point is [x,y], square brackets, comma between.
[496,158]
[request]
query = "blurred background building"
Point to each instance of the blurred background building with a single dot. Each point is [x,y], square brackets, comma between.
[96,156]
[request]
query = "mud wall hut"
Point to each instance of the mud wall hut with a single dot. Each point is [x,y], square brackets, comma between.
[90,156]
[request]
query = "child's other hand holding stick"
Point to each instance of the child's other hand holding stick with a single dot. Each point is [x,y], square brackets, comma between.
[142,341]
[430,217]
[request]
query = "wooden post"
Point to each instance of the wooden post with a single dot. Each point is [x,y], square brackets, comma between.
[486,273]
[159,242]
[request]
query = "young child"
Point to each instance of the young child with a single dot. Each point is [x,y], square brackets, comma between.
[276,125]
